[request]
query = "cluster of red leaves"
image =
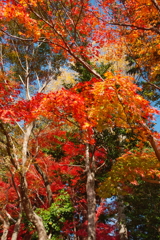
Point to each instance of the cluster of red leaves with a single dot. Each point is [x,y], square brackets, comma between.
[8,92]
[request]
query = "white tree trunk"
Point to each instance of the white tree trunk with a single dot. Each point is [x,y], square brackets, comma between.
[17,227]
[28,209]
[122,220]
[91,196]
[6,226]
[26,203]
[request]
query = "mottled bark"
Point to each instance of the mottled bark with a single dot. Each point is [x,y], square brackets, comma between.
[91,203]
[123,235]
[91,196]
[28,209]
[25,201]
[17,227]
[6,226]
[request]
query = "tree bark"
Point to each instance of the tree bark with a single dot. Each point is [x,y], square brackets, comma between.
[155,146]
[46,183]
[17,227]
[31,215]
[122,220]
[154,142]
[91,196]
[6,226]
[25,201]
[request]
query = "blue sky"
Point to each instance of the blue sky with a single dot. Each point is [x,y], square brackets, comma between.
[157,126]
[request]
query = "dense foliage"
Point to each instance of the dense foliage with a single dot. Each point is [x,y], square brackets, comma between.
[64,152]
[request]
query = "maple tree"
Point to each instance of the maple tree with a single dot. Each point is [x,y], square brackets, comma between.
[59,140]
[138,22]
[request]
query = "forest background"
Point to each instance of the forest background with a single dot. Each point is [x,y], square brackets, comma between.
[77,124]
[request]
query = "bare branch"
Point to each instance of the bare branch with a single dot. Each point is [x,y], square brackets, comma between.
[103,164]
[151,180]
[19,38]
[20,127]
[9,216]
[1,57]
[156,5]
[20,62]
[21,80]
[71,165]
[153,29]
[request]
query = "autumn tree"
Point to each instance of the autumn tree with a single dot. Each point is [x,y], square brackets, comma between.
[105,103]
[138,22]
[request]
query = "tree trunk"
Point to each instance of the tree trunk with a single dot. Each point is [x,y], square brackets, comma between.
[26,203]
[6,226]
[153,141]
[122,220]
[91,196]
[46,183]
[17,227]
[91,202]
[31,215]
[155,145]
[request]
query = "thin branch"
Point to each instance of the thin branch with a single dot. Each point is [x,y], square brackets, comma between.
[68,48]
[153,29]
[71,165]
[10,217]
[21,80]
[156,5]
[15,185]
[39,198]
[20,127]
[39,85]
[13,36]
[103,164]
[151,180]
[15,49]
[46,183]
[70,18]
[1,57]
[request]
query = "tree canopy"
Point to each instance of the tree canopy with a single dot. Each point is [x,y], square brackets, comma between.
[63,152]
